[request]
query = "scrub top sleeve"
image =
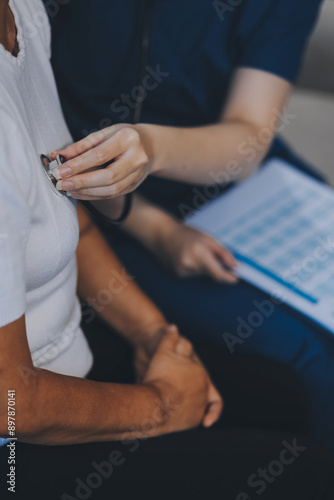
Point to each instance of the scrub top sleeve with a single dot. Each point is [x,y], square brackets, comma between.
[14,230]
[277,43]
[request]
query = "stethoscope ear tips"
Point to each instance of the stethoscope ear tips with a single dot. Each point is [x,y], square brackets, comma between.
[50,167]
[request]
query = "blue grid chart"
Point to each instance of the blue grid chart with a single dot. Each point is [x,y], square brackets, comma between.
[290,238]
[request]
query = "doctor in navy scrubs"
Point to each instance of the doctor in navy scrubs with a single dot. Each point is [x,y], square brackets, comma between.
[187,96]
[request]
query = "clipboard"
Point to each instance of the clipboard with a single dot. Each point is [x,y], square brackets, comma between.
[279,224]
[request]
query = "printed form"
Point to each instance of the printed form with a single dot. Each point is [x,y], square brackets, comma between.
[279,224]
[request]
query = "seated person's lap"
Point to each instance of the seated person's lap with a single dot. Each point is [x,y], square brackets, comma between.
[207,311]
[223,462]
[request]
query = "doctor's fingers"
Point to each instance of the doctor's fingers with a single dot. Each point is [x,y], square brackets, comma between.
[124,187]
[222,253]
[86,144]
[110,175]
[114,143]
[96,157]
[214,268]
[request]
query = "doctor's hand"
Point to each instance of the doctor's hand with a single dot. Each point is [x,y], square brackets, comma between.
[89,174]
[188,252]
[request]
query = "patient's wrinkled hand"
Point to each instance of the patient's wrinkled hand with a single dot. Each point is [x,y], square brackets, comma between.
[184,384]
[145,346]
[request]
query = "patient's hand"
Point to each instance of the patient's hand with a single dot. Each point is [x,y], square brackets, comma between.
[145,345]
[189,252]
[184,384]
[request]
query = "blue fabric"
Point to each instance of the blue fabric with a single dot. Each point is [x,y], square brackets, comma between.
[195,46]
[242,319]
[193,43]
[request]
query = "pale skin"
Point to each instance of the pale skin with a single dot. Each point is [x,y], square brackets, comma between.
[173,386]
[215,153]
[183,154]
[182,249]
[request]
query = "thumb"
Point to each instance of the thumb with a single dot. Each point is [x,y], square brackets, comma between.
[170,339]
[213,268]
[215,406]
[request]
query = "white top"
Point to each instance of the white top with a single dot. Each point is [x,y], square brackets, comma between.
[38,227]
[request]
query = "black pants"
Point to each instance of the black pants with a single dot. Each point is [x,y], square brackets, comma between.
[222,463]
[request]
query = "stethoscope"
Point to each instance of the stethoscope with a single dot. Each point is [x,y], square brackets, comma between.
[50,166]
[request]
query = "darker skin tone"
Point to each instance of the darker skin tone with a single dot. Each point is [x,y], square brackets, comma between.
[8,31]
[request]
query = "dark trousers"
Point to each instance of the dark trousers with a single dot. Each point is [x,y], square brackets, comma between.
[222,463]
[241,320]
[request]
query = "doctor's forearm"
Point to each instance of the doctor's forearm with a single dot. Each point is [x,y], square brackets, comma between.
[232,148]
[220,153]
[147,222]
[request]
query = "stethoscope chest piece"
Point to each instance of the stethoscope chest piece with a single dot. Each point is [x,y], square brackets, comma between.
[49,168]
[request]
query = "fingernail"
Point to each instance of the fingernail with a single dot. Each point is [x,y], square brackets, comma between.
[65,172]
[56,174]
[64,185]
[207,423]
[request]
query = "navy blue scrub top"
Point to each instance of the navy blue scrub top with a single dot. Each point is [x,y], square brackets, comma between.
[195,47]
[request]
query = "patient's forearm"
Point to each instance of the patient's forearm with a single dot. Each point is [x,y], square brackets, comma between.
[57,409]
[105,284]
[69,410]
